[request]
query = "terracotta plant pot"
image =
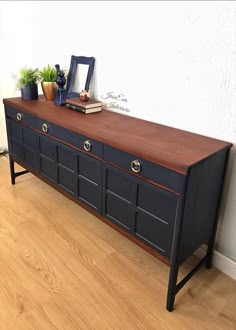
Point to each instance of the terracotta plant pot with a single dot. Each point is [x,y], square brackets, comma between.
[49,90]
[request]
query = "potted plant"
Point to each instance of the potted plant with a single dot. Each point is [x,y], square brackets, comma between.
[28,83]
[48,77]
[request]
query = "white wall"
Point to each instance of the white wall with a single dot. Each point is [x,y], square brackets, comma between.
[180,55]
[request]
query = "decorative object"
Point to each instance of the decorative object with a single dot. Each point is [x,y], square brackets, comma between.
[84,96]
[28,83]
[61,92]
[80,75]
[48,77]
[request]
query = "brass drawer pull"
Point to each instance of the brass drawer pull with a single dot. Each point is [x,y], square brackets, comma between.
[19,116]
[135,166]
[45,128]
[87,145]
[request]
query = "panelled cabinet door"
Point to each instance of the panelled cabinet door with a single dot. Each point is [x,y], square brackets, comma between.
[66,166]
[90,181]
[155,218]
[58,163]
[120,191]
[23,143]
[15,140]
[75,172]
[48,158]
[145,210]
[31,148]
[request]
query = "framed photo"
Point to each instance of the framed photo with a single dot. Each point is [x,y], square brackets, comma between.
[80,75]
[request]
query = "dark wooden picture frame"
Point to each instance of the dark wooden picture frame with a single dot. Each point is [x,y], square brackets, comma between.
[75,60]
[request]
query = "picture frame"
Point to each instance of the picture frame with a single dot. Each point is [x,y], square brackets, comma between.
[75,83]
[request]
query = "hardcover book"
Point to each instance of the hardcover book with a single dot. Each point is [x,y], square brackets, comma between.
[83,110]
[91,103]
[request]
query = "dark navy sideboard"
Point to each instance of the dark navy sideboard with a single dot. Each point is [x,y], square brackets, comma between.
[159,186]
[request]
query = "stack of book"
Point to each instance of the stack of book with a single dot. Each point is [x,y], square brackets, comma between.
[90,106]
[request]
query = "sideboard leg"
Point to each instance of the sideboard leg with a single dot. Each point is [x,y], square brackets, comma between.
[174,266]
[209,255]
[172,287]
[12,170]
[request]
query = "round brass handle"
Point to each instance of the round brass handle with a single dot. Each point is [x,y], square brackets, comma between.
[87,145]
[19,116]
[135,166]
[45,128]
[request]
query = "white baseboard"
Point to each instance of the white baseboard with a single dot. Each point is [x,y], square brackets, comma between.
[221,262]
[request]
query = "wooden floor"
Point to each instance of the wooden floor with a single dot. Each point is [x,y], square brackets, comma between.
[63,268]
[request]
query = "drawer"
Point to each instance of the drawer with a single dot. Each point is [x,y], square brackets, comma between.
[82,142]
[144,169]
[20,116]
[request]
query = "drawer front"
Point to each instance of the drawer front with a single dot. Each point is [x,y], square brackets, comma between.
[148,170]
[20,116]
[72,138]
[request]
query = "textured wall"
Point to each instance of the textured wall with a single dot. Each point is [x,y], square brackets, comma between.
[172,62]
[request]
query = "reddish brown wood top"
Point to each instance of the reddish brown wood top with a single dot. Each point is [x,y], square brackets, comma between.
[169,147]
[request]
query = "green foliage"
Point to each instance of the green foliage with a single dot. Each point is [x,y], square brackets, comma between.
[48,73]
[28,76]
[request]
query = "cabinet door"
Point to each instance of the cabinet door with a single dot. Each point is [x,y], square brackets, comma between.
[76,173]
[155,216]
[90,181]
[143,209]
[15,139]
[31,150]
[48,158]
[58,163]
[23,144]
[120,190]
[66,166]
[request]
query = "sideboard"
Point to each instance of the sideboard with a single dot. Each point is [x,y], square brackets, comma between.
[159,186]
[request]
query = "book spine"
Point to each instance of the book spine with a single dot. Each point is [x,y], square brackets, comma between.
[75,107]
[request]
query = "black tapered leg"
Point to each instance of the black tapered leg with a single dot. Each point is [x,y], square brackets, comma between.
[209,255]
[172,287]
[174,266]
[12,170]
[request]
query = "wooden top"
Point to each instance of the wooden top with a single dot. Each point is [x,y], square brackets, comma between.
[169,147]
